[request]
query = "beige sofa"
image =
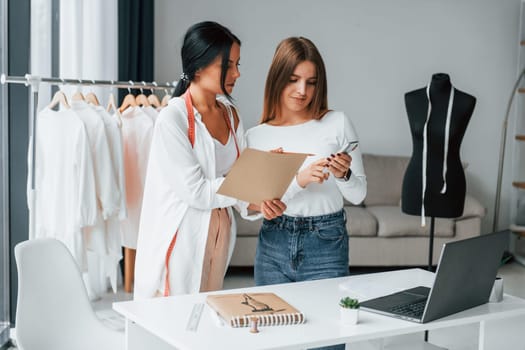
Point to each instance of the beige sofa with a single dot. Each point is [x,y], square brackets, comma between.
[380,234]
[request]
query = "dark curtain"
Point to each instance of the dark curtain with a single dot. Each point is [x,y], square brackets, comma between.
[135,42]
[19,18]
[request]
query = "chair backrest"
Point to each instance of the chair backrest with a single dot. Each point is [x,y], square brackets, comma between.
[53,309]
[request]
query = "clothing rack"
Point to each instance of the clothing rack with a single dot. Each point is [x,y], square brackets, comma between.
[35,80]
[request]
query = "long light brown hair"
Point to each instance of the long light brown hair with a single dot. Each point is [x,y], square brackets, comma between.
[289,53]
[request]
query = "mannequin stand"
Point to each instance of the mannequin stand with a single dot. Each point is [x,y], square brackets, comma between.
[431,243]
[430,253]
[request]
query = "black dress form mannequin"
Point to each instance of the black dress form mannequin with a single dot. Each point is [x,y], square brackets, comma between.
[437,203]
[443,163]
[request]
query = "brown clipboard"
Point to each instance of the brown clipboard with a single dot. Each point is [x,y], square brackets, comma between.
[260,175]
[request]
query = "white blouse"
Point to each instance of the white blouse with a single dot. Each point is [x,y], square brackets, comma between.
[320,138]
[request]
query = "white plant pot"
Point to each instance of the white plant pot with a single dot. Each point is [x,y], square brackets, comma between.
[349,316]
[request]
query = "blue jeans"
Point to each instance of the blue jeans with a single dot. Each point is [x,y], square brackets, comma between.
[292,249]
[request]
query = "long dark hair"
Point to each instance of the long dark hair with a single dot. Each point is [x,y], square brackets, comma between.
[203,42]
[289,53]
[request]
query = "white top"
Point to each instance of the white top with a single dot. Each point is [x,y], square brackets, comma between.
[64,181]
[225,155]
[321,138]
[109,246]
[102,246]
[151,112]
[137,130]
[179,194]
[107,191]
[115,143]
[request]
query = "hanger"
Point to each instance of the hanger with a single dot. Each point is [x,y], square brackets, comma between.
[112,107]
[165,99]
[141,99]
[129,100]
[92,98]
[153,99]
[59,97]
[78,96]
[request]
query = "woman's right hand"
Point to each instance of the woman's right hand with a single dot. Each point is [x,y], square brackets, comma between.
[313,173]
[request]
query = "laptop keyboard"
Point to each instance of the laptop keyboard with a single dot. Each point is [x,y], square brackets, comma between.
[414,309]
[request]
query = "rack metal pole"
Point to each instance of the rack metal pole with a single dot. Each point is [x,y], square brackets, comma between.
[29,79]
[33,107]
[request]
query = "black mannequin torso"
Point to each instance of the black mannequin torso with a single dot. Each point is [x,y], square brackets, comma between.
[449,204]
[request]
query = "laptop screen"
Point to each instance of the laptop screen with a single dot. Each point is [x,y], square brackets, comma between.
[466,273]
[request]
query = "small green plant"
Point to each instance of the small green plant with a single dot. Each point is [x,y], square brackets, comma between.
[349,303]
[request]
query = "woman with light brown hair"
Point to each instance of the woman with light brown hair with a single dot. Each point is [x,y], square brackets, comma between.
[310,240]
[288,55]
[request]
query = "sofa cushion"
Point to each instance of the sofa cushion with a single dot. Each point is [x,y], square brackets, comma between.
[247,227]
[391,222]
[384,176]
[473,208]
[359,222]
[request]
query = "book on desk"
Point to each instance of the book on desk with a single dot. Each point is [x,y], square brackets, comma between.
[269,309]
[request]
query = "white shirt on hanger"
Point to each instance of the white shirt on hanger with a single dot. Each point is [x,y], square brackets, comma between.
[152,112]
[102,256]
[64,181]
[113,239]
[137,130]
[106,184]
[116,149]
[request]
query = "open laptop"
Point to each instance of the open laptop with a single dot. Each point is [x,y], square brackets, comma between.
[466,273]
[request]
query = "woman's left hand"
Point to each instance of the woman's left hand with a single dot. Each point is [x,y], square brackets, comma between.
[272,208]
[338,164]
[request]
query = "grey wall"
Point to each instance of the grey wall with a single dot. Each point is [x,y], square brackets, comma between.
[375,51]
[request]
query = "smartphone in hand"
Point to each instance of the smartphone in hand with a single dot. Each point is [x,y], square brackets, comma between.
[348,147]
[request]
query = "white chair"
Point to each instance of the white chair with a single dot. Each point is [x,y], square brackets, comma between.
[53,309]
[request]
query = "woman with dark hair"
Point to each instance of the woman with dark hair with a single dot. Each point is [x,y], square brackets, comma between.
[187,231]
[310,240]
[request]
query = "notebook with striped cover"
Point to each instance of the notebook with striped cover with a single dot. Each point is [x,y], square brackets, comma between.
[239,309]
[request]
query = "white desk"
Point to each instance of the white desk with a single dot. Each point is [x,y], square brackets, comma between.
[160,323]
